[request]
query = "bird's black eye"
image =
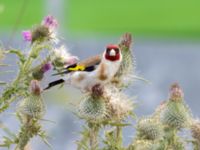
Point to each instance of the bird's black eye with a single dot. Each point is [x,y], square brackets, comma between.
[117,50]
[107,50]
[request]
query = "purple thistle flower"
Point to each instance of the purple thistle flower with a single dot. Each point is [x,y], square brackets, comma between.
[46,67]
[27,35]
[50,22]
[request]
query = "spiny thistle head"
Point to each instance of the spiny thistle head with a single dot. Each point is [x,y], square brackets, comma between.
[195,129]
[92,108]
[61,57]
[150,129]
[33,105]
[176,93]
[119,106]
[175,113]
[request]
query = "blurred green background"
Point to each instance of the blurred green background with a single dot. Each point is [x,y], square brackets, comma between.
[141,17]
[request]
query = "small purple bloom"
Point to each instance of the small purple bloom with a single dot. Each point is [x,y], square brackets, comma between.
[27,35]
[50,22]
[46,67]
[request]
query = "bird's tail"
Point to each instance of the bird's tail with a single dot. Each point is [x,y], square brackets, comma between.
[54,83]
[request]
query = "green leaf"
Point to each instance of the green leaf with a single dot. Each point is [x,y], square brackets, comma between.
[20,55]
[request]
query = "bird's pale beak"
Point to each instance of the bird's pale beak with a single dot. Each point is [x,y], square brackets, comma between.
[112,52]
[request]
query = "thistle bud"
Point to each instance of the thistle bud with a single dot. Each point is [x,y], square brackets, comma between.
[40,33]
[33,105]
[175,113]
[38,73]
[176,93]
[149,129]
[35,87]
[126,40]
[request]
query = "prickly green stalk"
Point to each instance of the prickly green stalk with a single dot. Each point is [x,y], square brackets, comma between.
[28,130]
[93,136]
[30,111]
[114,139]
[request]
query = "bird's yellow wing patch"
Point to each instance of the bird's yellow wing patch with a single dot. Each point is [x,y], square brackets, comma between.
[77,68]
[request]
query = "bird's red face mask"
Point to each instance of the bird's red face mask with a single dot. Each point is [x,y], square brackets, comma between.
[112,53]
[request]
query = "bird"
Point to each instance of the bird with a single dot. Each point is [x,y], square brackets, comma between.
[95,70]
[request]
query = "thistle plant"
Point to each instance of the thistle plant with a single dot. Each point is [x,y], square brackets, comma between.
[104,106]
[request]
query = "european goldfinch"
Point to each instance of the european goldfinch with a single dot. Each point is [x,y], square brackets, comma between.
[95,70]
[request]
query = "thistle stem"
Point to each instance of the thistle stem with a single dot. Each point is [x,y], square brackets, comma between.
[119,136]
[93,139]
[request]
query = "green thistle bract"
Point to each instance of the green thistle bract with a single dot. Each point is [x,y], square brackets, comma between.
[92,108]
[175,115]
[32,106]
[149,129]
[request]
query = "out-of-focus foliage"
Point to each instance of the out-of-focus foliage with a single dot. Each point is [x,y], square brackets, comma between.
[24,12]
[180,17]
